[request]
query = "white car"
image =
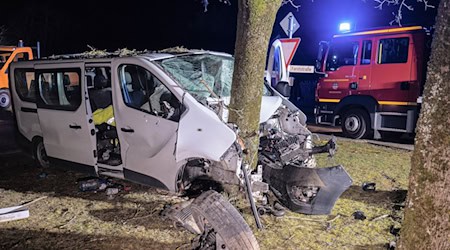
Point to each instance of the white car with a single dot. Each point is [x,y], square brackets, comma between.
[160,119]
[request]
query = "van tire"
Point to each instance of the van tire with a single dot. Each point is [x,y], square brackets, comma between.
[225,220]
[355,124]
[39,154]
[5,99]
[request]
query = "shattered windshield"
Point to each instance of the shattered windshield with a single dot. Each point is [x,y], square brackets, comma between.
[202,75]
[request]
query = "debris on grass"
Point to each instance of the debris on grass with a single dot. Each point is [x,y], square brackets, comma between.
[131,220]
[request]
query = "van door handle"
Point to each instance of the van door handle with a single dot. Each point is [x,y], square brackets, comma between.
[127,130]
[74,126]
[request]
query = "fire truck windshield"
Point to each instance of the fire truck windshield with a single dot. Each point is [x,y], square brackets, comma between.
[342,54]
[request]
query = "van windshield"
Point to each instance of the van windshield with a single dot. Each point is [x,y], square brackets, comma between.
[202,75]
[4,56]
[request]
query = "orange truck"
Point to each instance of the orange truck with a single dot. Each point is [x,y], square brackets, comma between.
[9,54]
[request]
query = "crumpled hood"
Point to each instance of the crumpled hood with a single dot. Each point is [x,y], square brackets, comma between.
[269,105]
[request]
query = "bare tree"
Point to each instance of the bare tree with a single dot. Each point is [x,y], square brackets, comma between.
[427,213]
[255,23]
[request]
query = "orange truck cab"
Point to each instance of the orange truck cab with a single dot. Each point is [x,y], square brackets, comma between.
[372,81]
[9,54]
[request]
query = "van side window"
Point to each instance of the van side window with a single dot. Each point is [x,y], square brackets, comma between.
[143,91]
[342,54]
[25,84]
[60,89]
[393,50]
[366,52]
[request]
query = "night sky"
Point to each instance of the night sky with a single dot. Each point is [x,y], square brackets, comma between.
[68,27]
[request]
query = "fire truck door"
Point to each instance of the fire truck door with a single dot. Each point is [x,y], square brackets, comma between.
[363,84]
[341,69]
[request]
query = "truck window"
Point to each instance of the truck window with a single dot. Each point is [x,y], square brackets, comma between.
[4,56]
[393,50]
[60,89]
[342,54]
[366,52]
[21,57]
[25,84]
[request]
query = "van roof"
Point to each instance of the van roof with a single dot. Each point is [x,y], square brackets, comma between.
[103,56]
[380,31]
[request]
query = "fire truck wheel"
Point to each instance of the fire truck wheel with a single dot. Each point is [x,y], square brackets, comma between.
[355,124]
[5,99]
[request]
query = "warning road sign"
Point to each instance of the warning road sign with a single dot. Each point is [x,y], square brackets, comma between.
[289,48]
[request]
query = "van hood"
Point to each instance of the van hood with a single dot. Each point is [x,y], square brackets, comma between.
[269,105]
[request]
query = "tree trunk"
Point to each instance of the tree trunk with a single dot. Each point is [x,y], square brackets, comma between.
[255,22]
[427,213]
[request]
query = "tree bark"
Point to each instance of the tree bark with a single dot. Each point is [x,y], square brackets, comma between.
[427,213]
[255,23]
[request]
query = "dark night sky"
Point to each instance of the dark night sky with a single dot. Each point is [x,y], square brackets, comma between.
[67,27]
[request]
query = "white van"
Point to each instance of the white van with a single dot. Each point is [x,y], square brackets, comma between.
[160,119]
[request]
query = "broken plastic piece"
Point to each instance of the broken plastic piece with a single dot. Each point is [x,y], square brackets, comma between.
[369,186]
[359,215]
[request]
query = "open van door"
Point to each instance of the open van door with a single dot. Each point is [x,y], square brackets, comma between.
[68,133]
[23,93]
[147,132]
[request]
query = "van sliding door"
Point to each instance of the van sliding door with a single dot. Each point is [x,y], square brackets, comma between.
[69,137]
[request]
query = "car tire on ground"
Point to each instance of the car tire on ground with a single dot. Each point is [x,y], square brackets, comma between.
[231,230]
[39,154]
[355,124]
[5,99]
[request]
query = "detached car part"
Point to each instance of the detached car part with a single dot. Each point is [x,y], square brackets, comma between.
[217,222]
[307,190]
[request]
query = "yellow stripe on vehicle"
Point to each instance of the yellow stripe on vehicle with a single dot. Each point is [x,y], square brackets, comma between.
[329,100]
[373,32]
[336,80]
[397,103]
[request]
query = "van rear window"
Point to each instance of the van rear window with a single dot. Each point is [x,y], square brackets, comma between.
[60,89]
[393,50]
[25,84]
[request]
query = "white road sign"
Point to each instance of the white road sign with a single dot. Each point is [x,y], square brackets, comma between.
[301,69]
[285,23]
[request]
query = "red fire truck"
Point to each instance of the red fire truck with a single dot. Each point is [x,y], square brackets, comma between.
[372,81]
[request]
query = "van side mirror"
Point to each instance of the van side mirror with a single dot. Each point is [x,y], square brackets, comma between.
[283,88]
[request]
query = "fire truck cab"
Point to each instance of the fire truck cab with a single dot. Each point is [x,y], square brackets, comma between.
[372,81]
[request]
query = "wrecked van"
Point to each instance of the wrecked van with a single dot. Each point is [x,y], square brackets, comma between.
[160,119]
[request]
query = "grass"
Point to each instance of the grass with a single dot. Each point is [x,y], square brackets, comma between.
[69,219]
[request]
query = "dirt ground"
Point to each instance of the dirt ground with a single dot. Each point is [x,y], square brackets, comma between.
[70,219]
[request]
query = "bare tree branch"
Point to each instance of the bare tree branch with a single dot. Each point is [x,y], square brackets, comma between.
[292,3]
[206,3]
[402,4]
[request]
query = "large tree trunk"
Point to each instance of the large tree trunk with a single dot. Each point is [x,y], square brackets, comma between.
[427,213]
[255,22]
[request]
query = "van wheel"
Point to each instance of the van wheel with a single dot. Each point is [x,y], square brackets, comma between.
[355,124]
[223,226]
[39,154]
[5,99]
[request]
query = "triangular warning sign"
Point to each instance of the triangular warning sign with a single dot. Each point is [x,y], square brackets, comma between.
[289,46]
